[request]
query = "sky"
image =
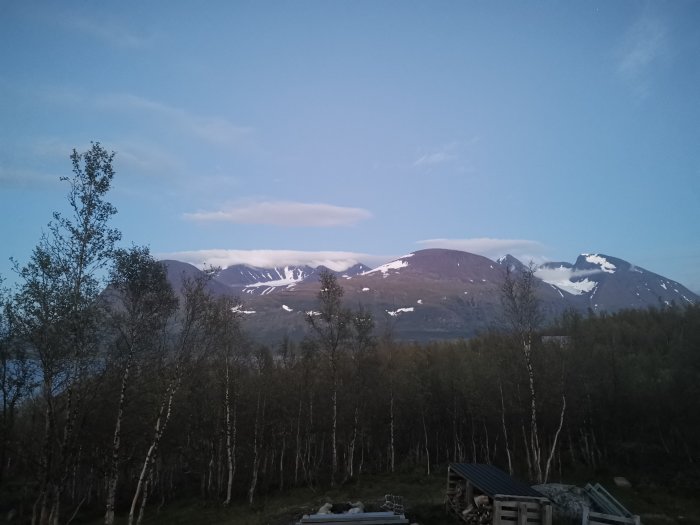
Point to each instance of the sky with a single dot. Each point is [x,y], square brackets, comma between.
[335,132]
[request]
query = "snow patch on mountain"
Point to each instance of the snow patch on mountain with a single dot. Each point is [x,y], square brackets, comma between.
[394,313]
[287,308]
[287,276]
[604,264]
[393,265]
[238,309]
[575,282]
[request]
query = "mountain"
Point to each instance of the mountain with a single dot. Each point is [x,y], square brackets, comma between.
[252,280]
[435,293]
[607,284]
[178,272]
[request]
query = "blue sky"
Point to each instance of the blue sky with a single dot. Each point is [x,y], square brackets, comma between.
[266,132]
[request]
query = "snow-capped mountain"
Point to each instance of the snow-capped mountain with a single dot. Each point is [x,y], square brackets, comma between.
[607,283]
[437,293]
[252,280]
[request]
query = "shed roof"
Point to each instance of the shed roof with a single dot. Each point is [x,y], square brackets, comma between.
[492,480]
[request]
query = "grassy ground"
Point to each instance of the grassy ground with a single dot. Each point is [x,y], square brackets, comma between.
[423,499]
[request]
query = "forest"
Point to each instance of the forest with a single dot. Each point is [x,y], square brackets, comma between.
[120,394]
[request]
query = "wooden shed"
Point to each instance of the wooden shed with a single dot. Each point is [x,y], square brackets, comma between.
[481,494]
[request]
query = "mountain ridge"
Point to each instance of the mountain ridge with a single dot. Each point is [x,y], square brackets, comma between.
[437,293]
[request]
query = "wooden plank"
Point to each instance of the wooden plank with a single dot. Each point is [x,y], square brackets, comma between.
[547,514]
[522,513]
[514,516]
[511,513]
[606,501]
[529,499]
[611,520]
[608,518]
[513,505]
[496,516]
[599,518]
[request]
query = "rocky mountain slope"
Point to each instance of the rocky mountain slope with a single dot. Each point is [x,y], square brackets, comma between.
[436,293]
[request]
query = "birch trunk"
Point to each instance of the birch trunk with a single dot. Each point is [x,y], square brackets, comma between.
[281,463]
[505,429]
[256,453]
[351,447]
[535,449]
[297,456]
[334,428]
[230,440]
[392,450]
[556,438]
[161,423]
[427,450]
[113,474]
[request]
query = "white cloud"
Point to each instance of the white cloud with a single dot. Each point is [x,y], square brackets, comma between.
[148,159]
[522,249]
[285,213]
[217,130]
[26,178]
[335,260]
[107,30]
[131,156]
[643,45]
[446,153]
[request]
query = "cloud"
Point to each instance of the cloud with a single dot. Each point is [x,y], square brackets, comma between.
[285,213]
[522,249]
[336,261]
[145,159]
[444,154]
[131,156]
[644,44]
[26,179]
[216,130]
[108,31]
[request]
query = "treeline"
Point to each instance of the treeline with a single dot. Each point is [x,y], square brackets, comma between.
[116,400]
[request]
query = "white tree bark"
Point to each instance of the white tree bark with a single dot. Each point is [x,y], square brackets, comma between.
[161,423]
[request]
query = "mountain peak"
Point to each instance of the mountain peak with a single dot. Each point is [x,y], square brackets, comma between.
[510,262]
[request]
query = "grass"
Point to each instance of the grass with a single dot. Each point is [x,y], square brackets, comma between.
[423,498]
[422,495]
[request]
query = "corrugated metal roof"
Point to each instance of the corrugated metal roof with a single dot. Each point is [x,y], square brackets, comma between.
[491,480]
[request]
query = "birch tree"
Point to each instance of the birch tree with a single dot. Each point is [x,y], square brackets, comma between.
[362,342]
[191,338]
[523,314]
[226,323]
[141,302]
[331,327]
[57,316]
[15,379]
